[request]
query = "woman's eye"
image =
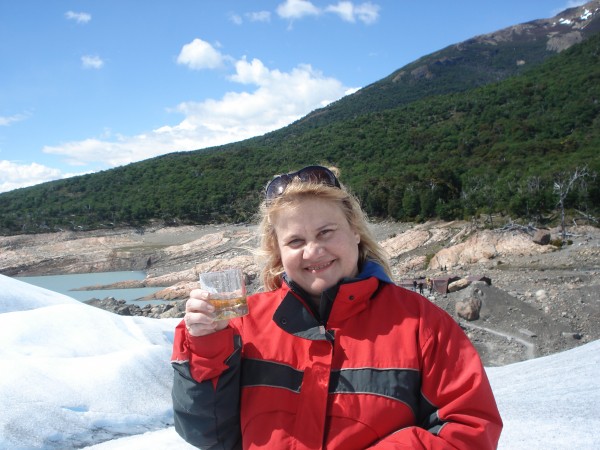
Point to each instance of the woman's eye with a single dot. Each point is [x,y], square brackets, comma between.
[295,243]
[326,232]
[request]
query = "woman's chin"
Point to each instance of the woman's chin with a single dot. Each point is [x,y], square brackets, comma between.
[317,287]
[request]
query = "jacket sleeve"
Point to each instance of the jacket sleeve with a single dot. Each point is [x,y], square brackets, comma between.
[457,406]
[206,388]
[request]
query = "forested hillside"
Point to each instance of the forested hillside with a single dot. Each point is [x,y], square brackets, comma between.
[478,61]
[499,148]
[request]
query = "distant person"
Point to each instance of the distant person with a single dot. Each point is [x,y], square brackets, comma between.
[415,285]
[421,287]
[333,354]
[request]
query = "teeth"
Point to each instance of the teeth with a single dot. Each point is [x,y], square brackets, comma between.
[318,267]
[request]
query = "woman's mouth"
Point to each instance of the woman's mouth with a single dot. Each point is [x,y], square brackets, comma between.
[318,267]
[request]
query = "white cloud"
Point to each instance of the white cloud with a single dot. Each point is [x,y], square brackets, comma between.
[91,62]
[296,9]
[14,175]
[252,73]
[343,9]
[112,151]
[6,121]
[199,54]
[259,16]
[278,99]
[367,12]
[270,100]
[79,17]
[236,19]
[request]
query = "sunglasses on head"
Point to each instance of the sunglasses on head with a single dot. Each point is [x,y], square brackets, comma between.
[310,174]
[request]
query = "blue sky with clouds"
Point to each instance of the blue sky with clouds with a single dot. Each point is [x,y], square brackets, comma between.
[89,85]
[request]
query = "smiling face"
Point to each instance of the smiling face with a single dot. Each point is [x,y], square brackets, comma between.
[317,246]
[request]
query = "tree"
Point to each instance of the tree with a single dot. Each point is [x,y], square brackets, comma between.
[481,195]
[564,183]
[410,202]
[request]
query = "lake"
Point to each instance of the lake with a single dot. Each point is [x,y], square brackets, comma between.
[64,283]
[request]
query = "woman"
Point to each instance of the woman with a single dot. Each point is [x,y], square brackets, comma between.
[332,355]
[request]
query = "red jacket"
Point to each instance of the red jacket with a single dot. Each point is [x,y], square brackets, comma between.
[389,370]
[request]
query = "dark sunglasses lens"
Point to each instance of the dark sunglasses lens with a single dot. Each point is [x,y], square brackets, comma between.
[277,186]
[318,175]
[314,174]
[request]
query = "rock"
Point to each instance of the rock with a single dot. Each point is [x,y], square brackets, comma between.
[177,310]
[484,246]
[468,309]
[541,237]
[122,308]
[458,285]
[405,242]
[176,292]
[124,311]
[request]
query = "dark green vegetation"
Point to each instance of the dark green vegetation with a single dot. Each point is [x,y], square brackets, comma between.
[493,149]
[460,67]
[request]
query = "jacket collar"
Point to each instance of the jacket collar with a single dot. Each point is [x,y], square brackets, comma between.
[350,296]
[372,269]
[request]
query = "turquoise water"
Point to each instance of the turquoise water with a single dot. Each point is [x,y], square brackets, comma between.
[64,284]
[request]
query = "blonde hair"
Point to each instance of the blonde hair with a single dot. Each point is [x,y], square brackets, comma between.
[295,192]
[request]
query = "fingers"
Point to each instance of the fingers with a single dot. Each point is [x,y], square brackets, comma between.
[199,317]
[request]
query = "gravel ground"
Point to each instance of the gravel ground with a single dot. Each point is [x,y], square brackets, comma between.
[536,304]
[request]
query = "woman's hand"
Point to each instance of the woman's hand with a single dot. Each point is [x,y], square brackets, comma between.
[199,315]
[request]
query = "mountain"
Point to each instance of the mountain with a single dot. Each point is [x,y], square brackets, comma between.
[496,148]
[478,61]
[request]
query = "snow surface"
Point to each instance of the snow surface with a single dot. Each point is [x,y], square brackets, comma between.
[75,376]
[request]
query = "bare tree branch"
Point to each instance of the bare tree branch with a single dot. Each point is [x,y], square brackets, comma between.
[563,184]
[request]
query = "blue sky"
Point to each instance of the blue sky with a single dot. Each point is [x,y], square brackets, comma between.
[89,85]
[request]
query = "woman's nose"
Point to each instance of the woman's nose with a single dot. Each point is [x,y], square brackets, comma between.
[312,249]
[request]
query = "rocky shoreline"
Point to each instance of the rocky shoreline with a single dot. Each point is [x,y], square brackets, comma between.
[539,299]
[162,311]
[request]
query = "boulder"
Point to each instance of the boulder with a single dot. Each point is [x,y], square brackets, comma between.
[541,237]
[485,246]
[469,308]
[458,285]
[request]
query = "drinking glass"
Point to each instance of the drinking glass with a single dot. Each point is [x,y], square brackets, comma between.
[227,292]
